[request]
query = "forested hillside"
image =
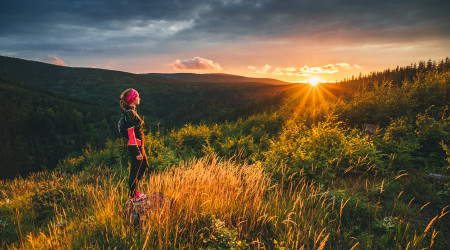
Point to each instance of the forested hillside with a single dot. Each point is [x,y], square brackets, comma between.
[300,174]
[39,128]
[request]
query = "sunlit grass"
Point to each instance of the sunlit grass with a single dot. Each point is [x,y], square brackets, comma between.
[255,211]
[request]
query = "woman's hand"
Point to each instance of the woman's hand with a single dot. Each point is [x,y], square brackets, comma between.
[139,157]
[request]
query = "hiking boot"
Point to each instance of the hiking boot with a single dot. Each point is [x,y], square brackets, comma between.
[138,197]
[141,196]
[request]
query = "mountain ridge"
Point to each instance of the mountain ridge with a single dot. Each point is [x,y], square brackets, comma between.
[217,77]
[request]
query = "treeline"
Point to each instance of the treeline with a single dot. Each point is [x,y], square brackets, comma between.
[396,76]
[37,128]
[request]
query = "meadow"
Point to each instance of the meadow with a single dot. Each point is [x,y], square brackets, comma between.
[304,176]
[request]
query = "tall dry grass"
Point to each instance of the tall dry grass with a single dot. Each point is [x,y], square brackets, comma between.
[244,199]
[217,203]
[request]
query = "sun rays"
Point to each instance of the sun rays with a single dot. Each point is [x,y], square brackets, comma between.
[314,80]
[310,95]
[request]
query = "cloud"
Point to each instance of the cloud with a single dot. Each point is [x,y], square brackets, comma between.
[330,69]
[262,70]
[348,66]
[160,26]
[196,63]
[344,65]
[53,60]
[278,72]
[305,70]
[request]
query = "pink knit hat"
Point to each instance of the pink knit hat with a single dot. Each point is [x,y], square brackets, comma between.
[132,96]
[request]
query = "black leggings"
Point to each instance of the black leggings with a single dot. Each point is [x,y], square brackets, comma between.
[137,170]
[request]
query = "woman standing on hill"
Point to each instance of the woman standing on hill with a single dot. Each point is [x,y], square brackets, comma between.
[133,124]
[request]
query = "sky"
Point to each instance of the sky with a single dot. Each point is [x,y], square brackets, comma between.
[282,39]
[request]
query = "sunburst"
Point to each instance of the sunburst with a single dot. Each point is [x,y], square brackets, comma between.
[314,80]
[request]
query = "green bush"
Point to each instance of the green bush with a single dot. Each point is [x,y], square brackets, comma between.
[160,154]
[243,147]
[431,134]
[322,152]
[111,156]
[414,144]
[190,140]
[216,235]
[398,144]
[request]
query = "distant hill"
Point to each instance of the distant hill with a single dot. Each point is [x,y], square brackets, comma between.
[223,78]
[40,128]
[166,100]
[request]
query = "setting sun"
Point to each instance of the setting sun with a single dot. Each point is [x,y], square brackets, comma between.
[314,80]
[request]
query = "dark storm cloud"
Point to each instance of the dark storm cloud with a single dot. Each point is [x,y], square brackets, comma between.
[97,26]
[376,19]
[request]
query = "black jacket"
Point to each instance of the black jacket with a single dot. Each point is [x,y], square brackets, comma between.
[134,125]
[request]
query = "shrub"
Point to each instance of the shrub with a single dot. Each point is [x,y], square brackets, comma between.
[323,152]
[242,147]
[216,235]
[190,139]
[111,156]
[412,144]
[398,144]
[430,134]
[160,154]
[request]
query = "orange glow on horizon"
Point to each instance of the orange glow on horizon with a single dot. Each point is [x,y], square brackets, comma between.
[314,80]
[309,96]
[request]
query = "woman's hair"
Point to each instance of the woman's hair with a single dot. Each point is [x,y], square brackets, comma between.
[123,103]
